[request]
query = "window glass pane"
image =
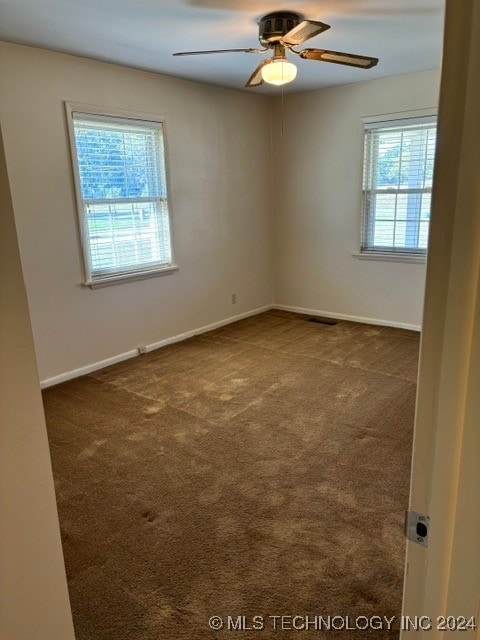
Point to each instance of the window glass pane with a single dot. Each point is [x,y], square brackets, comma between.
[423,235]
[414,149]
[388,170]
[383,236]
[126,235]
[430,160]
[400,233]
[117,162]
[426,205]
[385,206]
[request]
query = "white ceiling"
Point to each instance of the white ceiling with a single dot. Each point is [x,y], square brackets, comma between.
[405,34]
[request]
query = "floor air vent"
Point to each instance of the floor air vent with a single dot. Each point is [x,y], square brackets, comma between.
[327,321]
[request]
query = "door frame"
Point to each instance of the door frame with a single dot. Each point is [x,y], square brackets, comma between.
[444,579]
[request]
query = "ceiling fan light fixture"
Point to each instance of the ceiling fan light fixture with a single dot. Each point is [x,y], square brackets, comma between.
[279,72]
[279,32]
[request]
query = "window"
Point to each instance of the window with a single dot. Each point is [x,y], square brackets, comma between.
[397,186]
[119,167]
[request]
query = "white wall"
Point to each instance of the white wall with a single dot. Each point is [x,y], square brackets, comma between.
[220,187]
[33,587]
[220,178]
[317,183]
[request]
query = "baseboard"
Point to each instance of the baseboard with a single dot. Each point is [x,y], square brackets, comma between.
[206,328]
[132,353]
[344,316]
[82,371]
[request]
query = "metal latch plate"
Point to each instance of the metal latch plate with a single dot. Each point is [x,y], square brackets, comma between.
[417,527]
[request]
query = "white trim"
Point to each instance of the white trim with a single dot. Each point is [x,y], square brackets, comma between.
[82,371]
[115,116]
[390,257]
[345,316]
[108,111]
[109,281]
[427,112]
[415,122]
[205,329]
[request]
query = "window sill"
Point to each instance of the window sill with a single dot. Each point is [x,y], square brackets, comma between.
[391,257]
[108,281]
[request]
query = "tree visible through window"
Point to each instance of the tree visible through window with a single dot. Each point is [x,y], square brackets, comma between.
[123,195]
[397,185]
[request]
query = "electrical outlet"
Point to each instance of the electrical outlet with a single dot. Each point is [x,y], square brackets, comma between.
[141,350]
[234,298]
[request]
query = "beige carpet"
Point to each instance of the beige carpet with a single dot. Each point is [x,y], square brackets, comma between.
[260,469]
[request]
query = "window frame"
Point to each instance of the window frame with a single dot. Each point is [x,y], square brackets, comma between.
[403,117]
[121,116]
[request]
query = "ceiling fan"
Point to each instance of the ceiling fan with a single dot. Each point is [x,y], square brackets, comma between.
[281,32]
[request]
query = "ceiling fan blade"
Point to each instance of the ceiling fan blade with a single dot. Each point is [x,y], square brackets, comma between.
[349,59]
[256,78]
[199,53]
[304,31]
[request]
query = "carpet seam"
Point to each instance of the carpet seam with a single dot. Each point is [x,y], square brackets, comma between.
[314,357]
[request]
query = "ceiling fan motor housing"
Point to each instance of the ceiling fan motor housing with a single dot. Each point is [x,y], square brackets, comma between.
[274,26]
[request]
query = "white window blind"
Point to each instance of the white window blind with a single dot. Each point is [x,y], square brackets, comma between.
[397,185]
[122,195]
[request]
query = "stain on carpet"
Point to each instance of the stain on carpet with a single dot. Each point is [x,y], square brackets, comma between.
[259,469]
